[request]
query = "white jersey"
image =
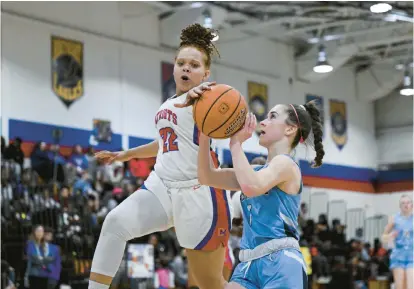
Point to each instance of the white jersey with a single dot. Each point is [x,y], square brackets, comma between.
[178,136]
[236,205]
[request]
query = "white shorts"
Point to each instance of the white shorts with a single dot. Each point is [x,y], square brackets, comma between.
[201,215]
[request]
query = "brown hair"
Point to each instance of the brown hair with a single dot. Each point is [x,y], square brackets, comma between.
[33,236]
[195,35]
[306,117]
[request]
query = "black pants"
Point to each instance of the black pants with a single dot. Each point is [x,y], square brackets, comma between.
[38,282]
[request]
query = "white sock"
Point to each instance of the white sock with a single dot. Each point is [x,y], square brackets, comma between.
[96,285]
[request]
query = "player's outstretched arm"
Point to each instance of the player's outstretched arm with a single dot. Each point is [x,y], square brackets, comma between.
[145,151]
[210,176]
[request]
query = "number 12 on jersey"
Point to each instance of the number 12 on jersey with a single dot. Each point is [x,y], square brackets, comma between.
[169,139]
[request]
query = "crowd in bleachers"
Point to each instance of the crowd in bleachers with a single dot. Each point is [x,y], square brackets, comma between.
[54,203]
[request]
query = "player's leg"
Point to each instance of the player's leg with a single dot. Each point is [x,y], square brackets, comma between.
[226,273]
[399,278]
[202,222]
[140,214]
[409,276]
[191,280]
[397,265]
[244,276]
[227,269]
[207,267]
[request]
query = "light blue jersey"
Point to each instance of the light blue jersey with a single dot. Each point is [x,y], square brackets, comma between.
[402,254]
[272,216]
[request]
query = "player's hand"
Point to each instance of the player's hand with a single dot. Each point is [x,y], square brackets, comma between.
[195,93]
[109,157]
[246,132]
[394,234]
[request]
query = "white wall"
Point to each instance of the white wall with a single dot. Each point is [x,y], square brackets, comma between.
[394,124]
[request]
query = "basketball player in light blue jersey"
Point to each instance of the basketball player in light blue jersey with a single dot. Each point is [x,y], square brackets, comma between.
[270,254]
[400,230]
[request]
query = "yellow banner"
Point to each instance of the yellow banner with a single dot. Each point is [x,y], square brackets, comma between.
[258,100]
[67,69]
[338,122]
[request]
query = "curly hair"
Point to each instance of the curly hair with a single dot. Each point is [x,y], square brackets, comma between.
[195,35]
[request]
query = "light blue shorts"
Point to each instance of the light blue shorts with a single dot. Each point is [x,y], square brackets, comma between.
[401,258]
[284,269]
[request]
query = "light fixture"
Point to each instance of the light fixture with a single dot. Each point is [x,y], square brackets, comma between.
[322,66]
[407,89]
[380,8]
[216,36]
[208,21]
[399,66]
[196,5]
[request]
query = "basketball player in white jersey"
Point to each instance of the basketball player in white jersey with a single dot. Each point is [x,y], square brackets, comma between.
[172,196]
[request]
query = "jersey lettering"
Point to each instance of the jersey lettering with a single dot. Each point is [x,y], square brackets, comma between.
[169,139]
[166,114]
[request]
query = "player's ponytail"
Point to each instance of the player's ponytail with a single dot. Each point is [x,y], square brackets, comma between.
[317,133]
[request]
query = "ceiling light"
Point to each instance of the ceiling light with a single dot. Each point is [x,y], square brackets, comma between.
[196,5]
[408,82]
[399,66]
[208,21]
[380,8]
[322,66]
[216,36]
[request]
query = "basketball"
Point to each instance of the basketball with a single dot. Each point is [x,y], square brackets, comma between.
[220,112]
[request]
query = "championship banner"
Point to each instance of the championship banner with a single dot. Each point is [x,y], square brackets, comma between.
[101,132]
[258,98]
[140,261]
[67,69]
[167,80]
[319,104]
[338,122]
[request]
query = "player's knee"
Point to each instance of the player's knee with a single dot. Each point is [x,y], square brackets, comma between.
[115,224]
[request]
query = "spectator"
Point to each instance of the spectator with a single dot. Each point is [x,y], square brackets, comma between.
[7,276]
[159,248]
[365,253]
[116,198]
[78,159]
[180,268]
[164,277]
[322,228]
[3,146]
[320,266]
[338,235]
[56,265]
[14,152]
[83,184]
[41,163]
[92,163]
[39,259]
[303,215]
[307,257]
